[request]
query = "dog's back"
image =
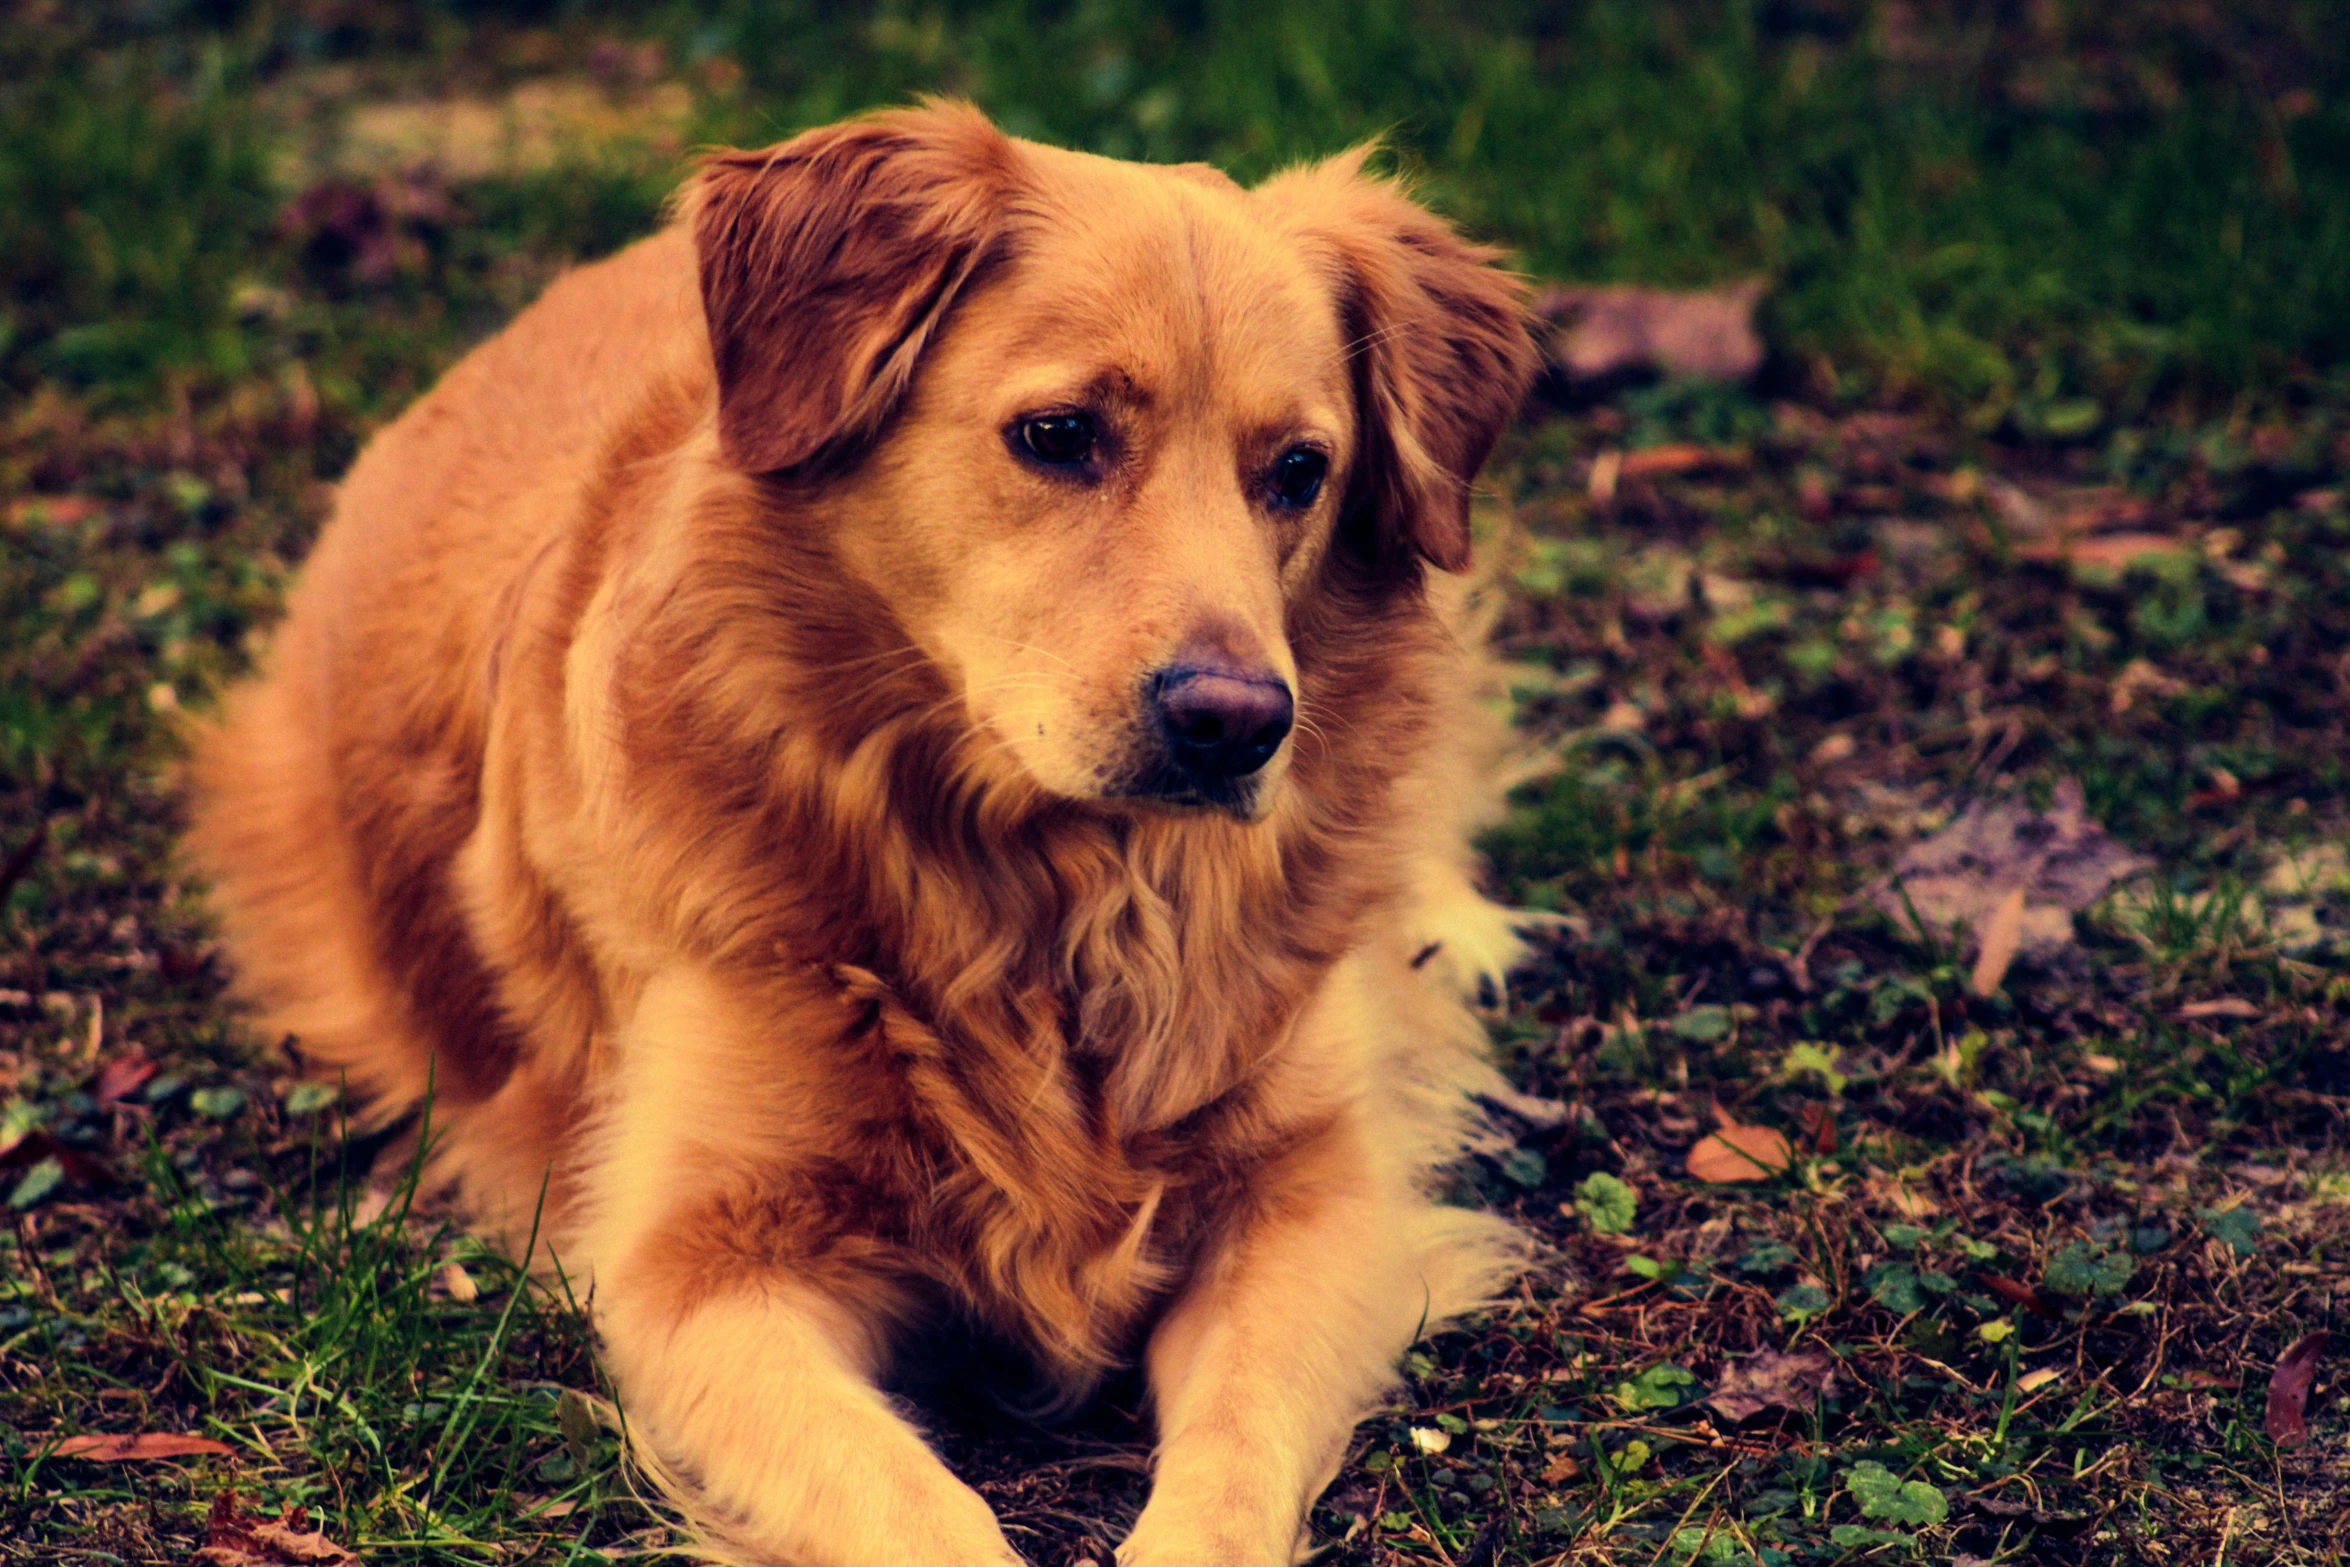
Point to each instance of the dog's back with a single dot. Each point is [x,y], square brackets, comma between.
[334,794]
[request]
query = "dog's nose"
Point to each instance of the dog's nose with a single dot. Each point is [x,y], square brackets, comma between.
[1219,723]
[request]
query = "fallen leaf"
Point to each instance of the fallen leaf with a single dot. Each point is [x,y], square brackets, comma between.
[2047,1518]
[2224,1006]
[2019,1294]
[2002,932]
[123,1076]
[1430,1440]
[53,511]
[2106,551]
[1610,331]
[1563,1467]
[1738,1152]
[2033,1381]
[21,859]
[2061,860]
[1679,457]
[2226,788]
[2288,1390]
[1768,1379]
[2139,677]
[133,1447]
[235,1538]
[37,1145]
[1819,1129]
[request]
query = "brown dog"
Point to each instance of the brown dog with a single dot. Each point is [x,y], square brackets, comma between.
[886,754]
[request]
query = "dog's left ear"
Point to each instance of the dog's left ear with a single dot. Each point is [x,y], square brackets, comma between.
[827,264]
[1441,343]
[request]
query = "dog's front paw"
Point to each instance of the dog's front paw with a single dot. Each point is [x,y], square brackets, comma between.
[1204,1543]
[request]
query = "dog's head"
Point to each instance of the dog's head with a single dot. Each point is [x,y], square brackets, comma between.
[1095,430]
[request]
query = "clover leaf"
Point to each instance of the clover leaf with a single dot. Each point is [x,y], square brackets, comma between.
[1606,1204]
[1884,1496]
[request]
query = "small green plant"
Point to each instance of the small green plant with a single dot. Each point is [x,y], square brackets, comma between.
[1606,1204]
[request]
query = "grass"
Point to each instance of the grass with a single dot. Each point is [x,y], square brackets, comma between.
[2086,264]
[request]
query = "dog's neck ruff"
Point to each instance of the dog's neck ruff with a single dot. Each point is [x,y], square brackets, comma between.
[1062,991]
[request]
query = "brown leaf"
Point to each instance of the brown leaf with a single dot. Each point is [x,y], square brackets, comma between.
[53,511]
[2020,1294]
[2224,1006]
[21,859]
[1563,1467]
[2062,860]
[1702,332]
[2002,932]
[2288,1390]
[1678,457]
[36,1145]
[1819,1129]
[123,1076]
[137,1446]
[1768,1379]
[235,1538]
[1739,1152]
[2106,551]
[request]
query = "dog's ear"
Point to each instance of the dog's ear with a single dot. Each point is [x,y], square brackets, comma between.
[829,261]
[1441,344]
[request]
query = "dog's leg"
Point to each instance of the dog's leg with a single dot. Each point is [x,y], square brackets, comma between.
[743,1345]
[787,1446]
[1270,1356]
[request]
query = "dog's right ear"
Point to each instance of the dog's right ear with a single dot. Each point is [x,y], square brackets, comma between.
[828,262]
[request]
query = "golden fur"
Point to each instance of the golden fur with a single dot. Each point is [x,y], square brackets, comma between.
[700,754]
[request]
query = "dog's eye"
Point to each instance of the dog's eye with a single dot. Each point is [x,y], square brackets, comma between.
[1297,477]
[1063,440]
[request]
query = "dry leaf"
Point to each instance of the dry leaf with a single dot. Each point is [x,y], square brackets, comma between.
[2139,677]
[1610,331]
[2063,862]
[1738,1152]
[1678,457]
[2019,1295]
[54,511]
[136,1446]
[2225,1006]
[1563,1467]
[2001,934]
[123,1076]
[2287,1422]
[1768,1379]
[2106,551]
[21,859]
[2033,1381]
[1819,1129]
[235,1538]
[36,1145]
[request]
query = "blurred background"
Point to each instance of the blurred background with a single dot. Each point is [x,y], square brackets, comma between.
[2045,216]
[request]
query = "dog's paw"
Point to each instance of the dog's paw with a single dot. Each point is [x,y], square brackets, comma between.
[1207,1545]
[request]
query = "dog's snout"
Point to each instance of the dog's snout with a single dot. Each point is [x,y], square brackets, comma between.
[1221,723]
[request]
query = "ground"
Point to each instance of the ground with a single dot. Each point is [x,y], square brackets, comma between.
[2003,527]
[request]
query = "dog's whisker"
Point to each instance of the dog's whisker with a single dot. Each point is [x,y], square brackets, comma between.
[1030,647]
